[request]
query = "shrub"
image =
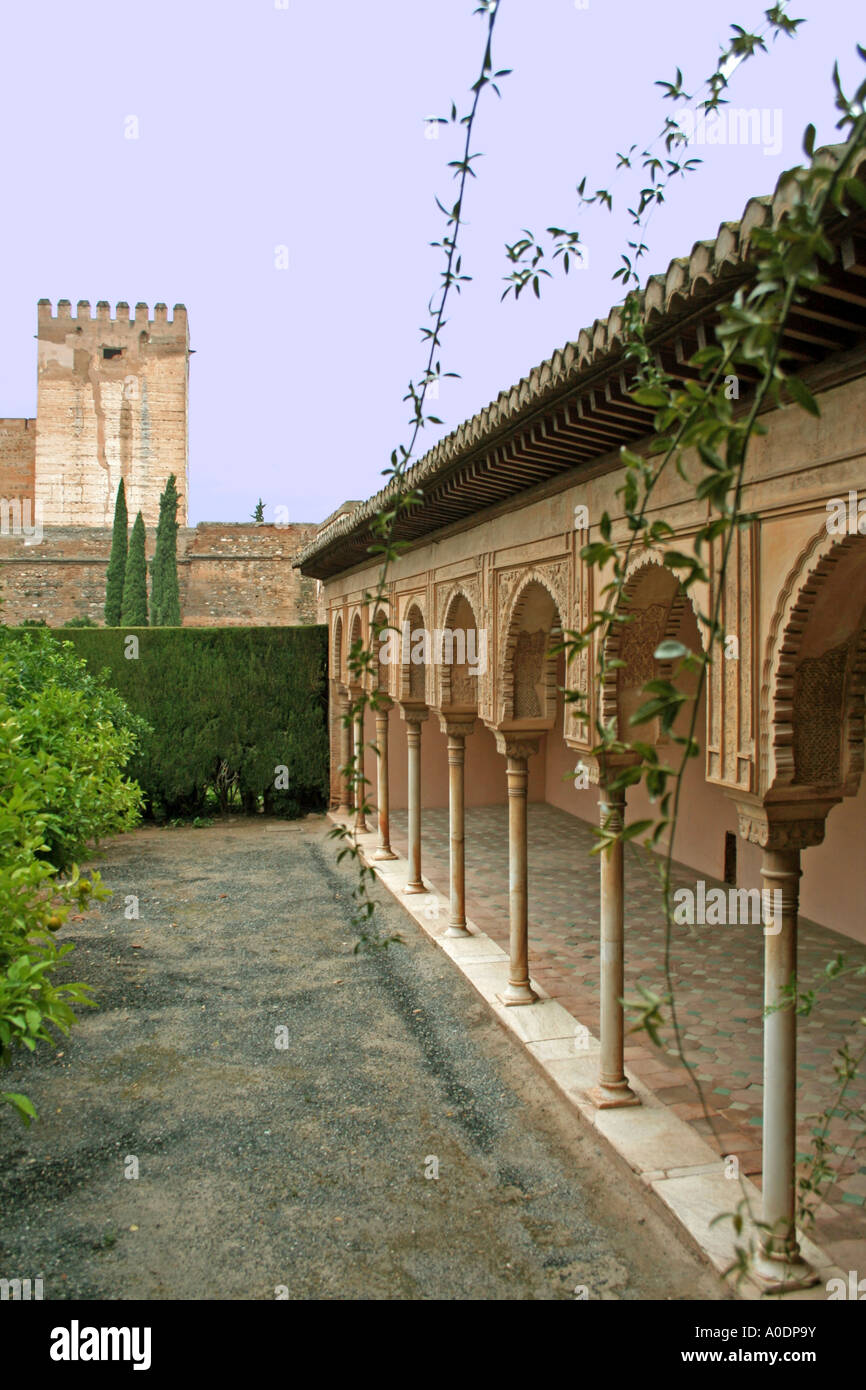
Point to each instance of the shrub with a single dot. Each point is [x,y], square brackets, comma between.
[78,725]
[117,559]
[164,591]
[225,707]
[65,737]
[133,608]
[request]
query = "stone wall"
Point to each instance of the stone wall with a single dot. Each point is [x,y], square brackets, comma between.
[241,573]
[112,404]
[229,575]
[17,460]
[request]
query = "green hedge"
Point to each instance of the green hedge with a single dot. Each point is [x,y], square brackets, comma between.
[226,708]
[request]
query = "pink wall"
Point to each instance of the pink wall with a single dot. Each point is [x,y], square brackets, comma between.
[834,874]
[485,768]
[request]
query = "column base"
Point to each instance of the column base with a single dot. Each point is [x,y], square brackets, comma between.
[517,994]
[782,1274]
[385,853]
[343,811]
[361,827]
[456,929]
[416,888]
[616,1097]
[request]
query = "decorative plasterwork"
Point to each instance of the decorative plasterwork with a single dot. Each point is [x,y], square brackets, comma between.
[783,825]
[512,588]
[515,745]
[815,568]
[473,689]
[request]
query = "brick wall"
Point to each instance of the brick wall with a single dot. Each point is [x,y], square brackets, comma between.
[17,460]
[229,575]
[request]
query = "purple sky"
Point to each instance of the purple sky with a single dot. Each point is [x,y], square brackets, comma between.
[303,126]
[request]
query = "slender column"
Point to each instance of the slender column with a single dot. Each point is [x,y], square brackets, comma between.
[345,806]
[413,742]
[360,826]
[780,870]
[782,830]
[384,851]
[518,989]
[613,1088]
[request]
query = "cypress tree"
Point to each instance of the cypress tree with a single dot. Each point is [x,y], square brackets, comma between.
[117,560]
[133,609]
[164,591]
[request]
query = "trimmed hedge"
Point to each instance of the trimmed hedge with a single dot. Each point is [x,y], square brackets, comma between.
[226,707]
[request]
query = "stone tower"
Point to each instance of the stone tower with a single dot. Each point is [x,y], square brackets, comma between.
[111,404]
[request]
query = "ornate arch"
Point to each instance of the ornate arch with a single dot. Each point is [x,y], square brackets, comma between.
[356,633]
[383,672]
[467,590]
[509,645]
[337,648]
[413,675]
[635,642]
[792,753]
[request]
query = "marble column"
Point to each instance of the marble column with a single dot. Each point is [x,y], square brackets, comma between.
[414,718]
[456,729]
[384,850]
[360,826]
[780,871]
[613,1089]
[782,830]
[517,753]
[345,806]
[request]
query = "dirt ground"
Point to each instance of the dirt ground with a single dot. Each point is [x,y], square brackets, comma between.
[285,1101]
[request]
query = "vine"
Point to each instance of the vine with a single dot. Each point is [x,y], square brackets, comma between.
[695,424]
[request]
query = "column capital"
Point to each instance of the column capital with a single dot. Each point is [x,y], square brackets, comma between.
[456,725]
[515,745]
[603,766]
[413,713]
[783,825]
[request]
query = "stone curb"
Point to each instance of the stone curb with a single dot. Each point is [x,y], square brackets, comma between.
[664,1152]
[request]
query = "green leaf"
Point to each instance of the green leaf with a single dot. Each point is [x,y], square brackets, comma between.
[802,395]
[22,1104]
[670,651]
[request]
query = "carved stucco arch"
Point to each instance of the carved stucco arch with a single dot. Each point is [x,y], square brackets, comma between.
[508,645]
[815,569]
[469,591]
[620,636]
[337,648]
[356,630]
[412,685]
[383,670]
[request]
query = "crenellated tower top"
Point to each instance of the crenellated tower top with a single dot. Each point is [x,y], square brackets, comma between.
[159,328]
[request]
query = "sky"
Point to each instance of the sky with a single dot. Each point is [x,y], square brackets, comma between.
[269,163]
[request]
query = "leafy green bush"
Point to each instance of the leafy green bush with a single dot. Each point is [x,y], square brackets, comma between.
[65,738]
[225,708]
[79,728]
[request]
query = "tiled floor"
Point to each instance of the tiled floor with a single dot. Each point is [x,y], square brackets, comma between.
[717,974]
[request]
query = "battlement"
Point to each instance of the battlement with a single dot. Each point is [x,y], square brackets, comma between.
[84,320]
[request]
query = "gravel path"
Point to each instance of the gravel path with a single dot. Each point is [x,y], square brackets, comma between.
[300,1169]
